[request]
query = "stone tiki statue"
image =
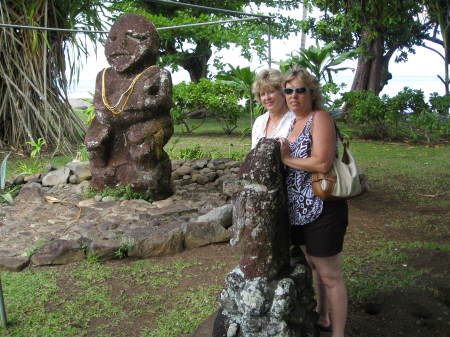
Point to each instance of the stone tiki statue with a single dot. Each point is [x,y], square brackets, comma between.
[132,104]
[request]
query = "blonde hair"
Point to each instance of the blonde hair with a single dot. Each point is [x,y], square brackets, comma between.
[310,81]
[267,79]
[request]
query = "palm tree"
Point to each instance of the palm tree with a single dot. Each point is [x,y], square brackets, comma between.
[320,61]
[33,67]
[305,11]
[242,79]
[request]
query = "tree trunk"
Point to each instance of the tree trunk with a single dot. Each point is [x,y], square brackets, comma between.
[197,63]
[304,17]
[196,67]
[442,8]
[446,42]
[372,70]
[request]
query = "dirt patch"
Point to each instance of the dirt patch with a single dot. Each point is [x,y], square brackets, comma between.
[199,268]
[404,312]
[420,309]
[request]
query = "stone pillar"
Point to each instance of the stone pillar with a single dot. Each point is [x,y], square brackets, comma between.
[265,295]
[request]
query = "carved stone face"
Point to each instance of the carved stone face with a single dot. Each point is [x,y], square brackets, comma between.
[132,44]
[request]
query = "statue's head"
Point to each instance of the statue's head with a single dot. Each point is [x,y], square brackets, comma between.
[133,43]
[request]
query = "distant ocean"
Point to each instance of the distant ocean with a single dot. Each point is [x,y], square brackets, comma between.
[428,84]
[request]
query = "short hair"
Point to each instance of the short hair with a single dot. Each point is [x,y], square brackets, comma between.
[267,79]
[310,81]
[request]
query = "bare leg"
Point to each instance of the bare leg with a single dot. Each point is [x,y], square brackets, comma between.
[321,297]
[322,302]
[329,271]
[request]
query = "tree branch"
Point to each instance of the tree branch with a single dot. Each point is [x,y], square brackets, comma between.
[432,49]
[435,31]
[433,39]
[442,80]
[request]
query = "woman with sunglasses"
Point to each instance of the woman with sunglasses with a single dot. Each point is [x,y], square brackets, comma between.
[317,226]
[268,90]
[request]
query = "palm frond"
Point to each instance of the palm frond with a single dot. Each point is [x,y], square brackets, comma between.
[33,68]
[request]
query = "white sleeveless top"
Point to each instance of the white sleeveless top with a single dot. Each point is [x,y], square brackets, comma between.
[259,127]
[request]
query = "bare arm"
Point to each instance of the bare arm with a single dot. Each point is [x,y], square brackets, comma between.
[323,147]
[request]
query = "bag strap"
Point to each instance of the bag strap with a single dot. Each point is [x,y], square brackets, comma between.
[338,133]
[344,142]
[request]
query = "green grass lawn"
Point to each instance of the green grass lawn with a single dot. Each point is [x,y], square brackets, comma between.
[405,213]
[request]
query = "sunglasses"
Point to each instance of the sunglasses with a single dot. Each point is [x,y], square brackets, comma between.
[290,91]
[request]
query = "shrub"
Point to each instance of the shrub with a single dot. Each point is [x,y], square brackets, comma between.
[37,147]
[194,152]
[120,191]
[87,114]
[405,116]
[29,167]
[367,111]
[216,97]
[440,104]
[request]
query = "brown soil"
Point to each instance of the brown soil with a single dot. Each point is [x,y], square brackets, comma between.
[421,309]
[418,310]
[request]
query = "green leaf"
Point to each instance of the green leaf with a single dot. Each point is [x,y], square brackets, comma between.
[3,172]
[8,198]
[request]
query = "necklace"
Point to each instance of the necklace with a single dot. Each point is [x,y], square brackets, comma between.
[271,127]
[272,124]
[128,92]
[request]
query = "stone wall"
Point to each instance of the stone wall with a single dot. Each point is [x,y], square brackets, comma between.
[51,222]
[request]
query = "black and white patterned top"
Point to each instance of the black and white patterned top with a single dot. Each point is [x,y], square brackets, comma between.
[303,205]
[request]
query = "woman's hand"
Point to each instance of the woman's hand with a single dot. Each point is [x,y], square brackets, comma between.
[323,148]
[285,150]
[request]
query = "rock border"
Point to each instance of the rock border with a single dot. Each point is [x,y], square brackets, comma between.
[108,228]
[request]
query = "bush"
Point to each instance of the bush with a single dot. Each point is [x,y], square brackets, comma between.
[118,192]
[88,113]
[216,97]
[405,116]
[192,153]
[367,111]
[440,104]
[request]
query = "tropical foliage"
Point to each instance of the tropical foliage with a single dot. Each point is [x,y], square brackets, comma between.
[405,116]
[33,68]
[379,29]
[321,62]
[192,47]
[242,79]
[215,98]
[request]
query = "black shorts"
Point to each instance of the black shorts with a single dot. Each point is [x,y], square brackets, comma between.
[324,236]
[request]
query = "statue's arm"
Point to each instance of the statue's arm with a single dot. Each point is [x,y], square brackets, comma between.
[160,96]
[98,133]
[96,137]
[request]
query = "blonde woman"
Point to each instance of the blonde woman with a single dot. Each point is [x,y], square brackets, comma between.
[268,90]
[318,226]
